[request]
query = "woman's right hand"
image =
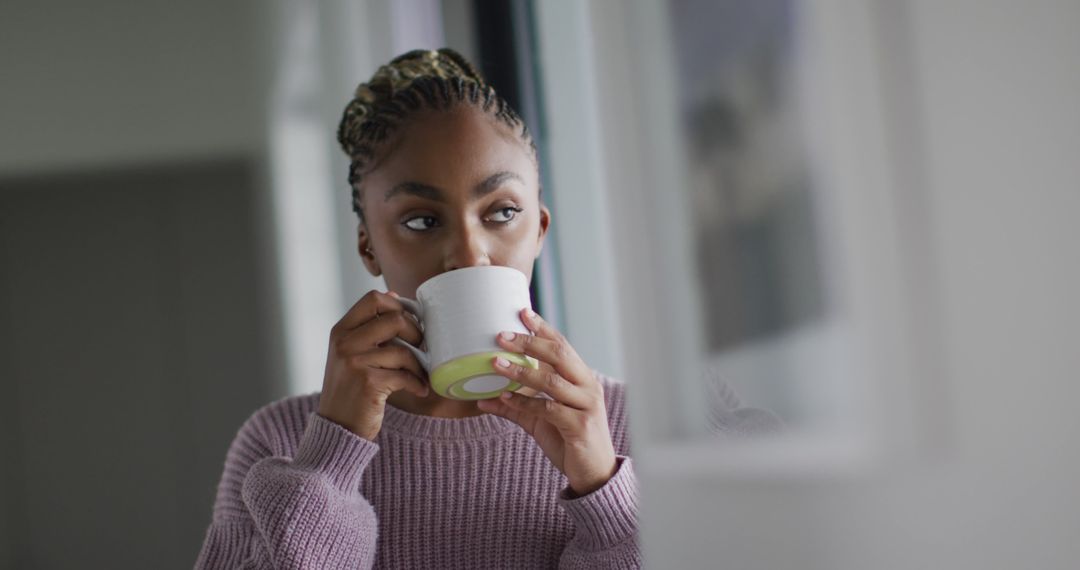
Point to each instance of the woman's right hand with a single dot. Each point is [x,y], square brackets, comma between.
[363,368]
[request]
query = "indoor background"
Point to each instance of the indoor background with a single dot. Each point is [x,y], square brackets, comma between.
[860,215]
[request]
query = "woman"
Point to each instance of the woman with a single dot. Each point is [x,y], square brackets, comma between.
[377,470]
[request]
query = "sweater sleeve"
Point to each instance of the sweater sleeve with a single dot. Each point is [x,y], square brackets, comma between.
[605,523]
[273,511]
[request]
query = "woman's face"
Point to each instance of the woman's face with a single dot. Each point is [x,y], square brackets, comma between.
[453,189]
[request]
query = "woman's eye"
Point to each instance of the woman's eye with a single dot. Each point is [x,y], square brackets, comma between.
[420,223]
[504,215]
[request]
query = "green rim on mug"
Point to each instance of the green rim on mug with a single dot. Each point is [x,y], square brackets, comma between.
[450,378]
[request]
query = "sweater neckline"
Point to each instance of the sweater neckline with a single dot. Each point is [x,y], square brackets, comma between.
[429,427]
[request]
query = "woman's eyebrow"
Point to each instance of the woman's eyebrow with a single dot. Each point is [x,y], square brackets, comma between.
[493,182]
[426,191]
[416,189]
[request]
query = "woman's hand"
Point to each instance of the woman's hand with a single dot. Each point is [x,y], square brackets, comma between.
[571,427]
[363,367]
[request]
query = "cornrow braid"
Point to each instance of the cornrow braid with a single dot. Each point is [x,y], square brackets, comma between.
[416,80]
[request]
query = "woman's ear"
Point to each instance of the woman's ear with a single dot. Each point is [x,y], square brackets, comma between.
[545,221]
[367,254]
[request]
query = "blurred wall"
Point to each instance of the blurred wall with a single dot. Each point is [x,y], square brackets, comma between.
[133,346]
[121,82]
[137,319]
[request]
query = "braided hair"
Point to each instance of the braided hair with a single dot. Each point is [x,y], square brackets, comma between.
[419,79]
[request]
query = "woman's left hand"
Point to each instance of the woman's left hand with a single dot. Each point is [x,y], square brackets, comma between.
[572,427]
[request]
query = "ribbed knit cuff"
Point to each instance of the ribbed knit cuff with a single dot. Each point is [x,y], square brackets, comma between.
[608,515]
[334,451]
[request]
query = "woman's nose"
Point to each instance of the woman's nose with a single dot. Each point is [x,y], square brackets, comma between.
[467,250]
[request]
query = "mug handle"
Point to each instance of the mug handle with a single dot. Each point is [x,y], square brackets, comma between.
[413,307]
[417,310]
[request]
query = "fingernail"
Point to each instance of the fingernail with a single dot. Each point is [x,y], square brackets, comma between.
[506,335]
[502,362]
[393,294]
[505,396]
[529,313]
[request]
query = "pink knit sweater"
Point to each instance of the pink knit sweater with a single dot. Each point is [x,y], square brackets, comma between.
[299,491]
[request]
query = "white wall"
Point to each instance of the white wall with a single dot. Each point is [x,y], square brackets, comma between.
[102,83]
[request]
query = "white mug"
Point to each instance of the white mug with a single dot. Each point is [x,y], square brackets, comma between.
[460,313]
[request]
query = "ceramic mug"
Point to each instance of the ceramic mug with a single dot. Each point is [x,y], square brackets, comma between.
[460,313]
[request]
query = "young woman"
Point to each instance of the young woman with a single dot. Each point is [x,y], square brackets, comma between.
[377,470]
